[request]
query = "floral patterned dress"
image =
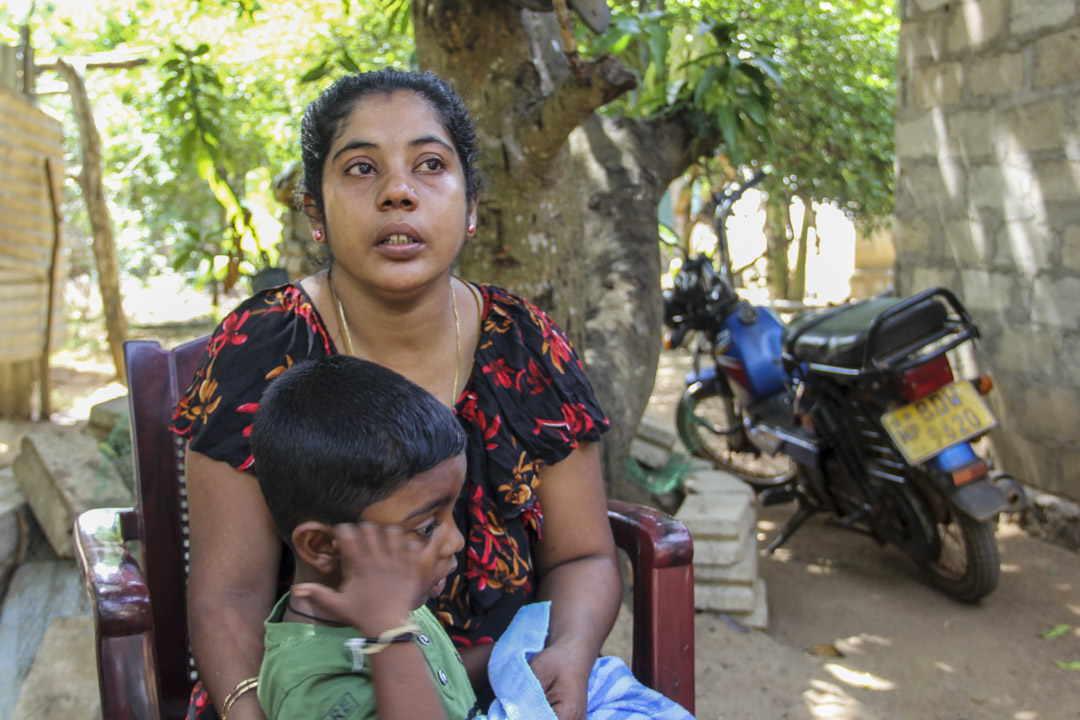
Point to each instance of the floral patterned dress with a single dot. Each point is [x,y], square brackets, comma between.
[526,405]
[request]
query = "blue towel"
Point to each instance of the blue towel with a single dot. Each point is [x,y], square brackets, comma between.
[614,693]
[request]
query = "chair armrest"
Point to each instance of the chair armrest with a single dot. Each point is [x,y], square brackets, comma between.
[123,620]
[116,584]
[661,556]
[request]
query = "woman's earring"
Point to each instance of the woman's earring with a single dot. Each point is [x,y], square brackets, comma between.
[318,236]
[471,229]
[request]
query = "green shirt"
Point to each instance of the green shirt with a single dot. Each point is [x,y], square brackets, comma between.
[307,671]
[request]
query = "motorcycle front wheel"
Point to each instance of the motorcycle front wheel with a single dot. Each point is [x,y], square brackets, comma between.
[709,423]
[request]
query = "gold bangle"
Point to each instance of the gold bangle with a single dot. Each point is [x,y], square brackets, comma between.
[241,687]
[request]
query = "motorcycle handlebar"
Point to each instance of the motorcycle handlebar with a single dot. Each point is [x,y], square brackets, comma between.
[729,198]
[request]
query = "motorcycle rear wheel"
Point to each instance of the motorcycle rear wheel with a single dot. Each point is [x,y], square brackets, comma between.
[961,558]
[968,565]
[710,426]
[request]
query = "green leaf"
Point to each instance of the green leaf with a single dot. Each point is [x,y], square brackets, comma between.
[347,62]
[1068,665]
[752,108]
[725,117]
[316,73]
[659,44]
[1056,631]
[724,32]
[768,67]
[712,77]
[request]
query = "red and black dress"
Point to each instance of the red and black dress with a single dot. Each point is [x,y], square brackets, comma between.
[526,405]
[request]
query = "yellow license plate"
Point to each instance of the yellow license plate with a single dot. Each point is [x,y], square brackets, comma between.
[938,421]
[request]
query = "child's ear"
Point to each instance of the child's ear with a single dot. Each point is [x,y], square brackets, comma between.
[315,546]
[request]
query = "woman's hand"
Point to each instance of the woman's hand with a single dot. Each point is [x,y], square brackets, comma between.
[563,672]
[578,573]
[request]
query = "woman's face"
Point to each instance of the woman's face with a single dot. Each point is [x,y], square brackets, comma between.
[394,194]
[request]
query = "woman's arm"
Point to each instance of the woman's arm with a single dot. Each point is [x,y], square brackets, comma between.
[575,562]
[235,555]
[475,659]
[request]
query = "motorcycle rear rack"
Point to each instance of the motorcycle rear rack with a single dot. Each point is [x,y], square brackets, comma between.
[961,326]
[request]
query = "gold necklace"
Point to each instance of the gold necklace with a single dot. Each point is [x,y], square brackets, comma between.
[346,335]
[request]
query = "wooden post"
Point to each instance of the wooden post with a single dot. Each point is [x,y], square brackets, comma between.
[101,225]
[29,77]
[45,375]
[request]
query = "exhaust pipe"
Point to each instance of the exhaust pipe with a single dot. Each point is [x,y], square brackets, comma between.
[1012,490]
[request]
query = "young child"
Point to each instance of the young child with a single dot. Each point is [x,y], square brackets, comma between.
[360,469]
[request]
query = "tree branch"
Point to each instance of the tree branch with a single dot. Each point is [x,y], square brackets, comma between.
[574,99]
[115,60]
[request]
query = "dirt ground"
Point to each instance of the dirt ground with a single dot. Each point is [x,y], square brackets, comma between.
[902,649]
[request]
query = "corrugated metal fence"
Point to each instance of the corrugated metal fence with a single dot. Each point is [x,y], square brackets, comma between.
[31,177]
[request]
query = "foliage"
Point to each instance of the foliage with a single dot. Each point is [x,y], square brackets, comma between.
[834,126]
[696,65]
[193,139]
[806,87]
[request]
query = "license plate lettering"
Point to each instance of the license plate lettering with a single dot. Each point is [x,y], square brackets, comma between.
[929,425]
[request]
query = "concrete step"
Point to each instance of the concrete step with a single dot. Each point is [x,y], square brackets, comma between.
[62,682]
[62,472]
[718,516]
[743,571]
[723,597]
[713,550]
[39,592]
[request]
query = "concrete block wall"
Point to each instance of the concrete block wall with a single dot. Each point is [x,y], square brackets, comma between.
[988,204]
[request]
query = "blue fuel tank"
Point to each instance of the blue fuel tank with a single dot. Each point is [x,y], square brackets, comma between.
[748,348]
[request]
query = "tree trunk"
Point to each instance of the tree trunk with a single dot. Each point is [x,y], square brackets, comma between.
[93,191]
[526,100]
[568,220]
[630,164]
[777,239]
[798,284]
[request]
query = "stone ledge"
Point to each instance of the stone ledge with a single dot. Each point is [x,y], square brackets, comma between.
[1051,518]
[67,651]
[62,472]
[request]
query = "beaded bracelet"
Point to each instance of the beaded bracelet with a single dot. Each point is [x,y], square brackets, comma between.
[241,687]
[369,646]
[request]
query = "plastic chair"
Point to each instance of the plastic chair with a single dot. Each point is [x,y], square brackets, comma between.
[135,561]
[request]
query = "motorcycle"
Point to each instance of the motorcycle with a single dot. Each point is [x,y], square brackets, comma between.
[854,411]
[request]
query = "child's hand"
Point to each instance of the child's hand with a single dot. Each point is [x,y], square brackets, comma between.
[381,578]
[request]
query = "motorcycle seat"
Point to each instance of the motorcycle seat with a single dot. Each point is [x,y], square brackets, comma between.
[838,336]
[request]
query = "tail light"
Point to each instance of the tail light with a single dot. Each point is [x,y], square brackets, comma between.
[924,379]
[970,472]
[674,338]
[984,384]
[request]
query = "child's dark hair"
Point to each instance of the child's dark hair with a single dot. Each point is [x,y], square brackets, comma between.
[334,435]
[323,119]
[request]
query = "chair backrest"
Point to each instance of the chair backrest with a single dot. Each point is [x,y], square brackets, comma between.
[659,548]
[156,380]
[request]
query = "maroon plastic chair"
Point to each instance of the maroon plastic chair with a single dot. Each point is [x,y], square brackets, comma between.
[135,561]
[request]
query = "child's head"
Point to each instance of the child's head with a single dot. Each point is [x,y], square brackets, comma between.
[334,436]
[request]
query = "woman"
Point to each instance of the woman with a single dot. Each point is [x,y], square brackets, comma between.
[391,192]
